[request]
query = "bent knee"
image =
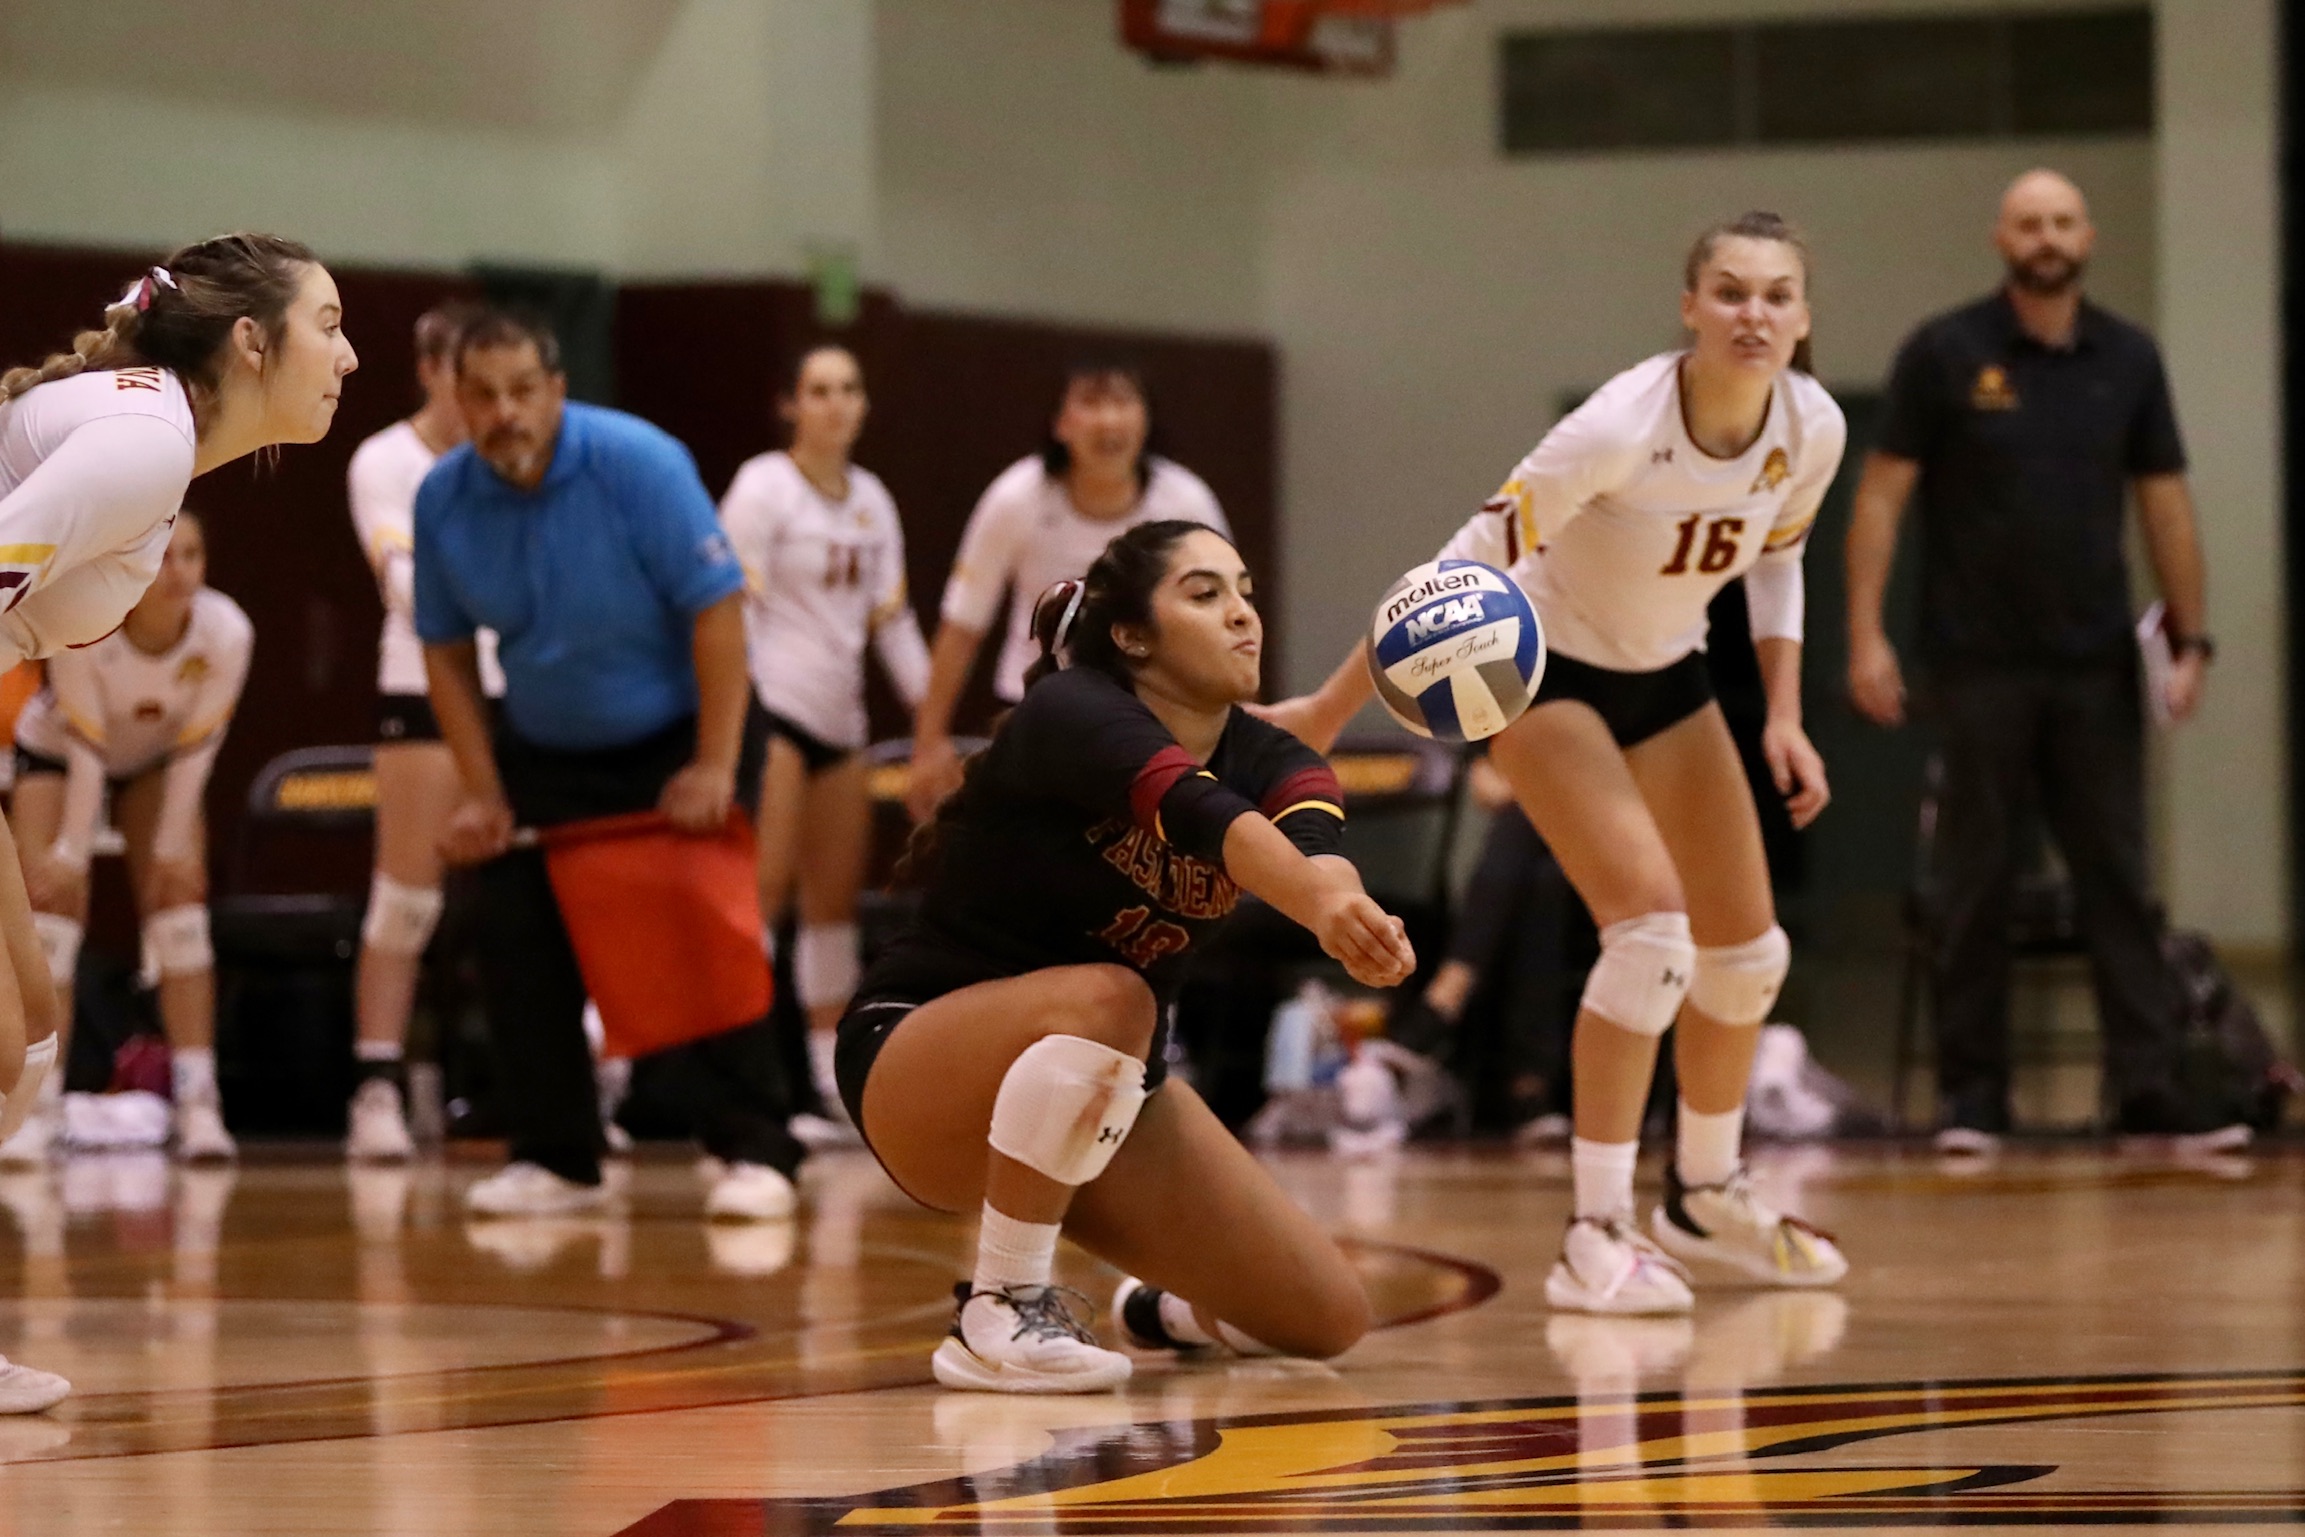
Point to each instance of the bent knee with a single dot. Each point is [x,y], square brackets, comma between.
[1327,1325]
[1110,1004]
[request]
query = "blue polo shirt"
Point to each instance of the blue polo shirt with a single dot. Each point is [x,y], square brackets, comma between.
[592,582]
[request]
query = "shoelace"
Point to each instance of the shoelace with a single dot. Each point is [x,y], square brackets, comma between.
[1041,1312]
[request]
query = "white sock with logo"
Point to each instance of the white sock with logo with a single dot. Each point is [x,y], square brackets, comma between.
[1011,1252]
[1603,1172]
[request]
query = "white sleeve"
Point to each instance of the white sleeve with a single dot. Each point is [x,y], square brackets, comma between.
[747,517]
[78,694]
[111,482]
[1584,455]
[385,530]
[1776,601]
[896,636]
[1195,500]
[185,781]
[981,572]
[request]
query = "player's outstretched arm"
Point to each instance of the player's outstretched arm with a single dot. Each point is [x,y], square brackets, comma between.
[1318,718]
[1322,893]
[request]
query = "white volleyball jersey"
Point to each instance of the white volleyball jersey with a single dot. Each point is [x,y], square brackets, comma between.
[1623,530]
[381,484]
[113,711]
[92,471]
[822,577]
[1025,536]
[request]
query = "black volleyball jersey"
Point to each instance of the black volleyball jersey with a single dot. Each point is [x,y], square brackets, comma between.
[1085,833]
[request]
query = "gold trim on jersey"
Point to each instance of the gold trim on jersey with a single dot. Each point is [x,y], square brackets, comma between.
[1517,507]
[1331,807]
[1785,535]
[25,554]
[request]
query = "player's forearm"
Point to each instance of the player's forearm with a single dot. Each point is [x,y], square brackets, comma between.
[83,805]
[1781,678]
[2165,507]
[950,657]
[721,683]
[1263,862]
[452,674]
[183,785]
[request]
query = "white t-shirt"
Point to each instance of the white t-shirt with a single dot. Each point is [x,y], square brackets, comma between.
[381,484]
[114,711]
[821,578]
[1025,536]
[1622,530]
[92,471]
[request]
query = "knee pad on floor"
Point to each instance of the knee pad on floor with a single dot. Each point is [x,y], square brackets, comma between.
[176,941]
[18,1102]
[1066,1106]
[59,945]
[1643,973]
[401,917]
[824,964]
[1738,984]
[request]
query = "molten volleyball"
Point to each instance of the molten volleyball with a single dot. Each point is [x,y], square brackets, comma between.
[1456,650]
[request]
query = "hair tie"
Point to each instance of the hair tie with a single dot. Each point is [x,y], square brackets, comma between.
[1064,621]
[164,277]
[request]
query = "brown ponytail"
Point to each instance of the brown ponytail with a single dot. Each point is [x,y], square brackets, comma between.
[1759,224]
[180,314]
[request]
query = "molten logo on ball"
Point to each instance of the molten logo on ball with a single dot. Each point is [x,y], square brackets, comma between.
[1456,650]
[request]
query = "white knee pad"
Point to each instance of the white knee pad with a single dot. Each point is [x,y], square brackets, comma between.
[1737,984]
[18,1102]
[59,945]
[401,917]
[824,964]
[1066,1106]
[176,941]
[1643,973]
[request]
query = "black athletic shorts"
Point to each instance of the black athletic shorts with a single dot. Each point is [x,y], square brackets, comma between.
[1636,705]
[908,974]
[815,751]
[29,763]
[405,718]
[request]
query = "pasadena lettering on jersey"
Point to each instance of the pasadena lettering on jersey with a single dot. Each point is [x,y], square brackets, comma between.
[1622,530]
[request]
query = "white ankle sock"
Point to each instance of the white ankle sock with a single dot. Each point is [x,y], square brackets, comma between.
[378,1051]
[1013,1253]
[192,1073]
[1604,1176]
[1705,1151]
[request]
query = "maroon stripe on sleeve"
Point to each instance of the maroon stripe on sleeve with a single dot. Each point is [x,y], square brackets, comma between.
[1318,783]
[1154,781]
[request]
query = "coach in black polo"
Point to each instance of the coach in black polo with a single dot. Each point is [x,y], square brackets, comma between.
[2025,422]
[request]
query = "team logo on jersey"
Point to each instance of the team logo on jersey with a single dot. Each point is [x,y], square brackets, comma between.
[1775,471]
[192,670]
[1660,1460]
[1993,391]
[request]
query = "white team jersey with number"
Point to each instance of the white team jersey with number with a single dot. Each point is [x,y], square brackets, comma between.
[1026,536]
[382,482]
[114,711]
[822,577]
[1623,530]
[92,470]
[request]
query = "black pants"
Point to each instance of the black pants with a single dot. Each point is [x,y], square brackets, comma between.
[2071,743]
[1526,936]
[535,993]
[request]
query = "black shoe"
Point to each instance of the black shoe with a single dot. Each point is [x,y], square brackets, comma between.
[2165,1113]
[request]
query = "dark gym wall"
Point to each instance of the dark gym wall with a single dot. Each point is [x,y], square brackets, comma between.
[956,398]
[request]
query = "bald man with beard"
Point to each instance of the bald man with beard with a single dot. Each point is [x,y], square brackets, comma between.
[2021,426]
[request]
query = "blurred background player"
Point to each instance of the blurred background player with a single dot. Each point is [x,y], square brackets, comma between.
[583,537]
[1041,521]
[1006,1054]
[1678,476]
[142,712]
[2025,421]
[823,557]
[415,772]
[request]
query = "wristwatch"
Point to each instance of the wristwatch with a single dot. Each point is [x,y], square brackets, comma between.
[2188,645]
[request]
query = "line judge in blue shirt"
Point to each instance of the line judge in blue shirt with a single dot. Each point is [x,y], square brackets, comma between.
[584,538]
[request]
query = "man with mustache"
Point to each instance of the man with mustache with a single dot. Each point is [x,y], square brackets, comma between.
[2025,422]
[584,538]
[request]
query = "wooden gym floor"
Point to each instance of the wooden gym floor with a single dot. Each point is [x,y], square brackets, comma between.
[2068,1335]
